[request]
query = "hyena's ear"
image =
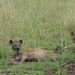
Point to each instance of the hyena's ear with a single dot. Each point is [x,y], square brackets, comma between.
[10,42]
[21,41]
[72,33]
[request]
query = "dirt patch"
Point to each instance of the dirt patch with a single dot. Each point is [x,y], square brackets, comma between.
[21,72]
[70,67]
[4,73]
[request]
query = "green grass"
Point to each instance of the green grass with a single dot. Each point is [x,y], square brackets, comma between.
[40,24]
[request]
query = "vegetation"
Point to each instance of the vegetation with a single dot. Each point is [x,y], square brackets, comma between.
[42,24]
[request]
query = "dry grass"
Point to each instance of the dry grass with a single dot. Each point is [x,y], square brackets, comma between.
[39,23]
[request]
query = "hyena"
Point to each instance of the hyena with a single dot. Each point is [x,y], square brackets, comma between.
[73,36]
[16,46]
[31,54]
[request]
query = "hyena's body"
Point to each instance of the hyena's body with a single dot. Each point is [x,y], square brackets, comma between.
[31,54]
[38,55]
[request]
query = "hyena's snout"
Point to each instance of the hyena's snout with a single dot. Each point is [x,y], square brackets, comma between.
[16,47]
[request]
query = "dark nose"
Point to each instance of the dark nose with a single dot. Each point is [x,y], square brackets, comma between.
[18,48]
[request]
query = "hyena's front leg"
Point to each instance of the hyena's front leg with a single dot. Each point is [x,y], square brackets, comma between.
[23,59]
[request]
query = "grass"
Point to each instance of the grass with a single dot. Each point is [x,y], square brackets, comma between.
[40,24]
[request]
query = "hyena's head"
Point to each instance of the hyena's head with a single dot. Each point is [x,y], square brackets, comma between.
[16,45]
[73,36]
